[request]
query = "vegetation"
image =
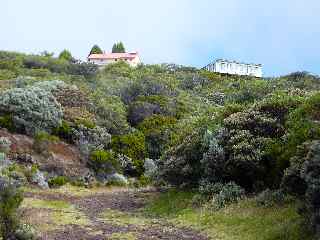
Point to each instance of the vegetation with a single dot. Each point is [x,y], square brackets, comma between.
[118,48]
[225,137]
[95,50]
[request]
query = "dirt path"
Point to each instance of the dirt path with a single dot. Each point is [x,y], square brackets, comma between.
[99,216]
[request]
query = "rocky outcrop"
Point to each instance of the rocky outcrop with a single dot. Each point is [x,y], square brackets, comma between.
[63,159]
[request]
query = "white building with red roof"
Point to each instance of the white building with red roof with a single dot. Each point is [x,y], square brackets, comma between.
[132,58]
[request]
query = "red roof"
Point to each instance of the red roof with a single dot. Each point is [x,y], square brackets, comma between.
[130,55]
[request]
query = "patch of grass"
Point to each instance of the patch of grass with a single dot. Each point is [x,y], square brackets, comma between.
[123,219]
[59,213]
[244,220]
[47,204]
[122,236]
[76,191]
[170,204]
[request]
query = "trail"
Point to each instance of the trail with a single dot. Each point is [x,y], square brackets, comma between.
[99,216]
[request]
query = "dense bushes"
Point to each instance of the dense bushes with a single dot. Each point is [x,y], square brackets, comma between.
[10,199]
[180,165]
[133,146]
[103,162]
[302,179]
[202,129]
[32,109]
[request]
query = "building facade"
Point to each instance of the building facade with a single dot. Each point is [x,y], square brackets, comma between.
[132,58]
[233,67]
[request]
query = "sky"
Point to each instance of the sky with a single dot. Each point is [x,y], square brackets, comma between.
[283,35]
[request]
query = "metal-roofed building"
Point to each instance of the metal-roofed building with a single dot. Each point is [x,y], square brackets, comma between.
[233,67]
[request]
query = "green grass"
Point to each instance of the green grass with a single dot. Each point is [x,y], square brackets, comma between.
[244,220]
[57,214]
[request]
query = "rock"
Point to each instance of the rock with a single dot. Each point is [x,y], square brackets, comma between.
[22,157]
[39,179]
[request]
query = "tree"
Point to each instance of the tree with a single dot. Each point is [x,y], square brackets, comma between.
[47,54]
[118,48]
[66,55]
[95,50]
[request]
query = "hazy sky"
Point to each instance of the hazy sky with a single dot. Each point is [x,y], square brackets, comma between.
[283,35]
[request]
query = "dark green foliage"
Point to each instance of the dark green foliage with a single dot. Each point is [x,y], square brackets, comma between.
[64,131]
[57,181]
[138,111]
[6,121]
[95,50]
[10,199]
[302,179]
[310,173]
[103,162]
[157,130]
[66,55]
[88,70]
[118,48]
[133,146]
[269,198]
[180,165]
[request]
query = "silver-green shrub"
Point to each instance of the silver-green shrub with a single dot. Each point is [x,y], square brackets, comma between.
[269,198]
[229,193]
[151,168]
[33,109]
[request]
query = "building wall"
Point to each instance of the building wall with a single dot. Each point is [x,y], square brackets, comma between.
[102,62]
[223,66]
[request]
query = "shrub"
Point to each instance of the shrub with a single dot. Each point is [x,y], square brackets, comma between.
[180,165]
[57,181]
[269,198]
[6,74]
[90,139]
[117,179]
[127,165]
[310,172]
[87,123]
[6,121]
[151,169]
[111,114]
[5,144]
[103,162]
[42,140]
[256,122]
[302,179]
[138,111]
[208,189]
[10,200]
[230,193]
[32,109]
[25,232]
[64,131]
[213,160]
[133,146]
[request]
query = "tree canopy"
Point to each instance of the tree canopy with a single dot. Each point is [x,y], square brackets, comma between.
[118,48]
[66,55]
[95,50]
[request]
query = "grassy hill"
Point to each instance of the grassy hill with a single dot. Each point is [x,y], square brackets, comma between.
[244,146]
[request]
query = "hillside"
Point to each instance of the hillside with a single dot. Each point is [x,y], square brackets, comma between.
[212,145]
